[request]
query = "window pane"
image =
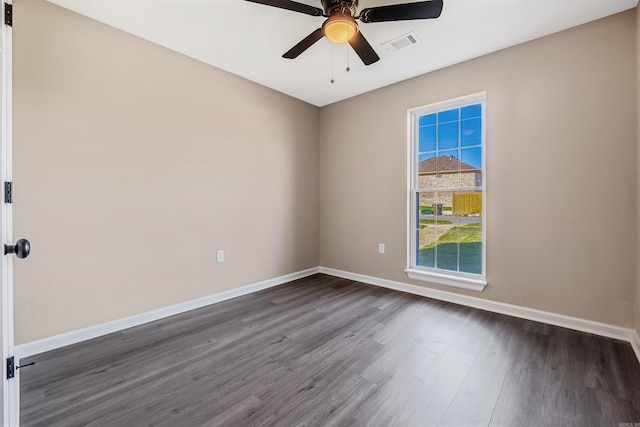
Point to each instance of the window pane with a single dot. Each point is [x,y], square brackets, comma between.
[425,239]
[426,204]
[467,203]
[443,207]
[448,116]
[471,159]
[447,248]
[427,171]
[471,246]
[429,119]
[434,221]
[471,111]
[467,206]
[427,138]
[447,135]
[471,132]
[448,167]
[427,257]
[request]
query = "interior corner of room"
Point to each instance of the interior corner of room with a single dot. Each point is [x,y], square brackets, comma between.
[134,165]
[150,183]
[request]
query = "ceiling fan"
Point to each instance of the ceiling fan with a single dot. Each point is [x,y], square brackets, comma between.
[341,26]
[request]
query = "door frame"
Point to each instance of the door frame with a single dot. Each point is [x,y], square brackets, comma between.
[10,387]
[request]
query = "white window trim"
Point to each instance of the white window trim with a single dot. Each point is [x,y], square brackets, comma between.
[449,279]
[475,282]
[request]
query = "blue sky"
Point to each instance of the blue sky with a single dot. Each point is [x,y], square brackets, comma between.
[456,132]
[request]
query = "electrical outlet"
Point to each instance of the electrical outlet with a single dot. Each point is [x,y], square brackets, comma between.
[220,256]
[380,248]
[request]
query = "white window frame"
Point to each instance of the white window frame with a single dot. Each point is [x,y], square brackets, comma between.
[443,277]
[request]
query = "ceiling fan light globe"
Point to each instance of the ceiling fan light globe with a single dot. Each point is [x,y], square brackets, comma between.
[339,28]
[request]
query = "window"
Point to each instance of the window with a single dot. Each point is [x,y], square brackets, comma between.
[447,227]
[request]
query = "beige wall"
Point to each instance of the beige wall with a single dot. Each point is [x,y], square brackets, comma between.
[560,130]
[134,164]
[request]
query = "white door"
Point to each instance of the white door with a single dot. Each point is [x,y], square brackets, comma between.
[10,387]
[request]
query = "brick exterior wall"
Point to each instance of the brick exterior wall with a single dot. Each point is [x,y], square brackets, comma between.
[449,180]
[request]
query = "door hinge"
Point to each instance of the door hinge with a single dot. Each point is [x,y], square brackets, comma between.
[11,368]
[8,14]
[8,192]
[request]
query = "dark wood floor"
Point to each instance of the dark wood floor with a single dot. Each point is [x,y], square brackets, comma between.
[329,351]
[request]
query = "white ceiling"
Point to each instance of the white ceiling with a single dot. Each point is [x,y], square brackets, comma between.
[248,39]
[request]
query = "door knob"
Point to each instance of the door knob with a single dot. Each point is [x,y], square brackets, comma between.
[21,248]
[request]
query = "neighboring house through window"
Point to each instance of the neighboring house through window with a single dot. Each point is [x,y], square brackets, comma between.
[447,180]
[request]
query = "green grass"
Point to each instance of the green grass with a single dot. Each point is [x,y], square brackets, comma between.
[424,222]
[468,233]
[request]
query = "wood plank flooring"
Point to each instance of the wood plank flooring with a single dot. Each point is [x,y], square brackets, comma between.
[328,351]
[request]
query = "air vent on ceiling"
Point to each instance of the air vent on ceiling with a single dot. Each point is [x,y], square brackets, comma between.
[401,42]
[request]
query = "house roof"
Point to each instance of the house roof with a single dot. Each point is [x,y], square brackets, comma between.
[444,164]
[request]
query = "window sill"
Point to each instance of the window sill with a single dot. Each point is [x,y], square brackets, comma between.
[457,281]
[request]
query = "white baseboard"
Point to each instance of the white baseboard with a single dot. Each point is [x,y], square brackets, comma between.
[597,328]
[635,343]
[57,341]
[575,323]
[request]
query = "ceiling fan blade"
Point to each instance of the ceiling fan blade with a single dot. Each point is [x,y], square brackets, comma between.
[291,5]
[363,49]
[304,44]
[402,12]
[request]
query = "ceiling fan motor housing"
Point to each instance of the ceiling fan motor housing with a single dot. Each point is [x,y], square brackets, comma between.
[347,7]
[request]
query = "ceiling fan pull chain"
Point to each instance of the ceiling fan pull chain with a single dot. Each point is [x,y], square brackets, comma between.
[348,67]
[332,64]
